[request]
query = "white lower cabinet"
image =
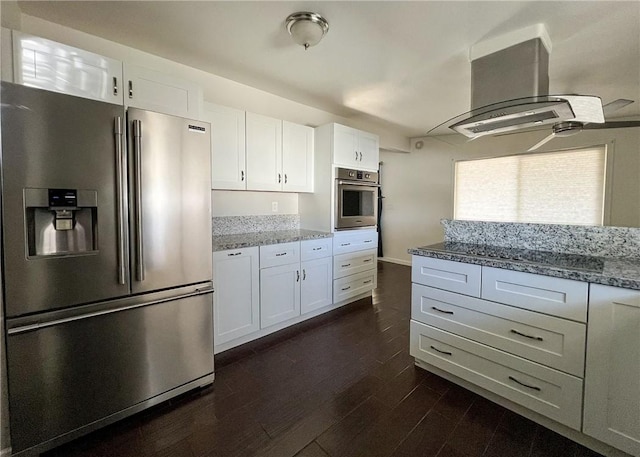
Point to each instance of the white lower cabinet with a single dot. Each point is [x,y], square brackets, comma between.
[518,335]
[236,300]
[316,285]
[354,264]
[612,379]
[279,294]
[295,278]
[547,391]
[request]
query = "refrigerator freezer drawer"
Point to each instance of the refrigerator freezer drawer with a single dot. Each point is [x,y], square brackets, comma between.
[64,377]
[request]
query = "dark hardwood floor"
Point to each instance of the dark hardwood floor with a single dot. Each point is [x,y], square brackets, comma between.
[340,385]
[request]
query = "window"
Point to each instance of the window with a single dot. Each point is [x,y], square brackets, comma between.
[564,187]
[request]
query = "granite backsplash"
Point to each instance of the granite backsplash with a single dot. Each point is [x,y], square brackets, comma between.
[229,225]
[621,242]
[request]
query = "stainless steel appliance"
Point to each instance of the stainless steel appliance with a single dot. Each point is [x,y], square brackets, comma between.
[356,199]
[106,222]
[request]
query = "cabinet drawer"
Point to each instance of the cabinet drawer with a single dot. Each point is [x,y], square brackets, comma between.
[353,262]
[354,240]
[555,296]
[316,249]
[353,285]
[555,342]
[463,278]
[544,390]
[273,255]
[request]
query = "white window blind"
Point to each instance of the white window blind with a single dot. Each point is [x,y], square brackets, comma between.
[565,187]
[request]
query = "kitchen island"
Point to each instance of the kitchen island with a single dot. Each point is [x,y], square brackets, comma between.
[550,335]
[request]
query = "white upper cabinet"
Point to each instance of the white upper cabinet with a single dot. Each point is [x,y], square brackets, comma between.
[155,91]
[297,157]
[612,384]
[354,148]
[279,155]
[264,152]
[45,64]
[228,161]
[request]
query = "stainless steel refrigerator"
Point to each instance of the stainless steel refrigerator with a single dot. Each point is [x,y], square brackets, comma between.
[106,226]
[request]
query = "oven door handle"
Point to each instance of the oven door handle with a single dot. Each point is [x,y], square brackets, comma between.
[356,183]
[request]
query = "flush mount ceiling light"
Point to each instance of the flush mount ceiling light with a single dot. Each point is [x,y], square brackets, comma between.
[307,29]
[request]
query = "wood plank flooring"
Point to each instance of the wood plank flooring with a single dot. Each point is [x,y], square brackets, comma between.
[340,385]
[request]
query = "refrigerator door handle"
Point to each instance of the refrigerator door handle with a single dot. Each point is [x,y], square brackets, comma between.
[137,147]
[85,315]
[122,235]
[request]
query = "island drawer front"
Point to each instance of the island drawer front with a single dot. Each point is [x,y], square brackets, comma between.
[554,296]
[547,391]
[353,262]
[274,255]
[353,285]
[316,249]
[459,277]
[558,343]
[354,240]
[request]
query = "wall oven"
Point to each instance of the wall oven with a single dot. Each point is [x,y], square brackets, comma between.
[356,199]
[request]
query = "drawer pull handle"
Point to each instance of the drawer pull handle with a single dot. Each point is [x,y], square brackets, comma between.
[346,288]
[304,274]
[234,254]
[317,249]
[537,338]
[281,254]
[441,352]
[367,281]
[441,310]
[367,260]
[346,265]
[524,385]
[297,275]
[345,244]
[368,241]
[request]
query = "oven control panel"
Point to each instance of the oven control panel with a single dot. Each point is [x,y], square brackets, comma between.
[356,175]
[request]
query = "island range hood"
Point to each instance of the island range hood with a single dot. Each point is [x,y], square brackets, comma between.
[510,87]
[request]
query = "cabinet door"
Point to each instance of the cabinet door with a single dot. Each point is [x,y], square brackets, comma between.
[151,90]
[317,284]
[612,384]
[264,152]
[48,65]
[279,294]
[297,157]
[236,301]
[369,147]
[227,146]
[345,146]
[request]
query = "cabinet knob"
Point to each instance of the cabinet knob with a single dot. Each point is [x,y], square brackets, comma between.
[360,156]
[279,178]
[297,275]
[241,175]
[285,178]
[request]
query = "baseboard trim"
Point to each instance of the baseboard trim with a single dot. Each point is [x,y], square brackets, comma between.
[398,261]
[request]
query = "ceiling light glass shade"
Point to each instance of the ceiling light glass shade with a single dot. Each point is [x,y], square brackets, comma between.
[307,29]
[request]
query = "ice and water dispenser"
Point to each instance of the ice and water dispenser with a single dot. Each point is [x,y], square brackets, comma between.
[61,221]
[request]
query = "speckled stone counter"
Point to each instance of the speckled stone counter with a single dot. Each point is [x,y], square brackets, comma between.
[246,240]
[610,271]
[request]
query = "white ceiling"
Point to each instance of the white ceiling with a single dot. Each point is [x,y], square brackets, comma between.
[404,63]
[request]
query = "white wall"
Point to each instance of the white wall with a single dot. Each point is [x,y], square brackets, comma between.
[245,203]
[418,186]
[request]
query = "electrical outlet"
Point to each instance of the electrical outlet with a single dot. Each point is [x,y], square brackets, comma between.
[274,207]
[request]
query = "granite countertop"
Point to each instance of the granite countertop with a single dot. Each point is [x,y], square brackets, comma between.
[609,271]
[247,240]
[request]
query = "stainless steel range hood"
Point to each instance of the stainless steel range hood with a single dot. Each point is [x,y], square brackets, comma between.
[510,87]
